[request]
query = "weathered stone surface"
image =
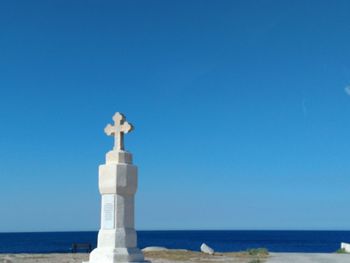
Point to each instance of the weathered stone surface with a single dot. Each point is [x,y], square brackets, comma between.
[118,157]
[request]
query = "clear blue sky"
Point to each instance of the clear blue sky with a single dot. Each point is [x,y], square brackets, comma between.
[241,109]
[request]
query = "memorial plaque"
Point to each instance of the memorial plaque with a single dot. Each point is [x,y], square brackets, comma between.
[108,208]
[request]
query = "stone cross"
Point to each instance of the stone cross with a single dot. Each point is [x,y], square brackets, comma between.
[120,127]
[117,183]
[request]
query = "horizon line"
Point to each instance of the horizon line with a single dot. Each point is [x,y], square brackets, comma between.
[155,230]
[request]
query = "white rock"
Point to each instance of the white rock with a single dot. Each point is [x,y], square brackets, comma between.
[206,249]
[150,249]
[345,246]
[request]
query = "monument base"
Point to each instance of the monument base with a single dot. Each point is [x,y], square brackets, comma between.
[116,255]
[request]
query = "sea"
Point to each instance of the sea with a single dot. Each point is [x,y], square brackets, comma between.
[223,240]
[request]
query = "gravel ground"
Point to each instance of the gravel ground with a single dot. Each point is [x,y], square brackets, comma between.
[186,257]
[155,257]
[308,258]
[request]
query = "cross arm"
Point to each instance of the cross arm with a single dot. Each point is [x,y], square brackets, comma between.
[127,127]
[109,130]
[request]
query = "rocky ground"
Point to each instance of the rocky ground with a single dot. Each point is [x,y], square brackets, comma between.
[155,257]
[186,257]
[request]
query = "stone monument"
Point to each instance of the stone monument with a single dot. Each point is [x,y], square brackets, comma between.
[117,239]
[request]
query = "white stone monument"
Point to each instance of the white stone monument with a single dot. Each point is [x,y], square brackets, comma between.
[117,240]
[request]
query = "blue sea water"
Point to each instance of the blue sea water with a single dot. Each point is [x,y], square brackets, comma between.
[276,241]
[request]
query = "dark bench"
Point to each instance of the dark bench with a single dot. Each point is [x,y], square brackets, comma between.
[81,246]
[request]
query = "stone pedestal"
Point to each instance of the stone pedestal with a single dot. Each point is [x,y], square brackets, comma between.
[117,239]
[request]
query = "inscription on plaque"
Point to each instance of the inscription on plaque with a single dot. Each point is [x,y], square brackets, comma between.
[108,209]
